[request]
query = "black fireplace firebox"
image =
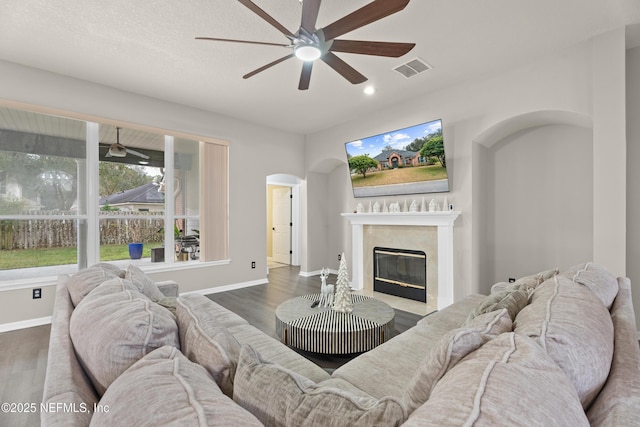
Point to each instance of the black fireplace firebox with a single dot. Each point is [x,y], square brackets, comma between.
[400,272]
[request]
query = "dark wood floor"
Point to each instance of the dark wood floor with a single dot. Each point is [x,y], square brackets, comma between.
[23,353]
[23,362]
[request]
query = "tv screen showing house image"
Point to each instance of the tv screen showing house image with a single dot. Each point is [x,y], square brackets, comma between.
[406,161]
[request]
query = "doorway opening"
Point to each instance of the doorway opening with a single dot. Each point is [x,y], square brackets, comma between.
[283,211]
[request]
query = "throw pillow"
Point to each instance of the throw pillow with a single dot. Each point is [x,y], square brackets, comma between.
[528,283]
[112,329]
[144,283]
[84,281]
[204,341]
[110,267]
[279,397]
[449,350]
[165,388]
[575,329]
[513,300]
[509,381]
[600,281]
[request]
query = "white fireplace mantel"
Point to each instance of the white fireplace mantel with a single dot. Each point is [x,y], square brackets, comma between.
[443,220]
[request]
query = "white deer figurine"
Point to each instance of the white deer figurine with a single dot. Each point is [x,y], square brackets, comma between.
[326,291]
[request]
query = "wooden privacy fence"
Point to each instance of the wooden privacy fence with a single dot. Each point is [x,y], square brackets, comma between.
[58,232]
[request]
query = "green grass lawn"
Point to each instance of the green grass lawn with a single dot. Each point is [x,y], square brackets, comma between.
[400,175]
[25,258]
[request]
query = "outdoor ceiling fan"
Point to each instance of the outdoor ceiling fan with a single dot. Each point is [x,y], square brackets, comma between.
[310,43]
[119,150]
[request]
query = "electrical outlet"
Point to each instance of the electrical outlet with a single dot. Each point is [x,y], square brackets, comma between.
[37,293]
[511,279]
[253,264]
[339,257]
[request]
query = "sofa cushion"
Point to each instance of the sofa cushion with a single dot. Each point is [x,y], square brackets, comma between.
[276,352]
[144,284]
[509,381]
[204,341]
[388,379]
[279,397]
[84,281]
[597,279]
[449,350]
[222,316]
[618,404]
[165,388]
[114,327]
[513,300]
[575,329]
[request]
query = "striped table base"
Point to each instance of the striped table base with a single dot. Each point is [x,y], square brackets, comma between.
[323,330]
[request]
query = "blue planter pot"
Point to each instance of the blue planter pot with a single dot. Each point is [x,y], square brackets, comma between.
[135,250]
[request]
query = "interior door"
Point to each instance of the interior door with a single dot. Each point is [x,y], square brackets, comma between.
[282,225]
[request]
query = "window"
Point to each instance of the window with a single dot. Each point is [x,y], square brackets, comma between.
[74,193]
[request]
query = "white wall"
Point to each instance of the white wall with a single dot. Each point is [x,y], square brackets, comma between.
[254,153]
[562,83]
[633,175]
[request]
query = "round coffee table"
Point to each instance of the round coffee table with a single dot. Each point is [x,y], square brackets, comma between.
[323,330]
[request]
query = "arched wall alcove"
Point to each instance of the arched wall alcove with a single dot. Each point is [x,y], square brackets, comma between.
[533,196]
[325,180]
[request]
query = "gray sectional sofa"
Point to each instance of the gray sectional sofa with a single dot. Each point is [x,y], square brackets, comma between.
[550,349]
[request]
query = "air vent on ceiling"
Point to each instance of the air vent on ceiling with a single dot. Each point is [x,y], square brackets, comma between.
[413,67]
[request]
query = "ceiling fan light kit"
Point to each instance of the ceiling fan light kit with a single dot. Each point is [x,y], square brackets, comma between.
[119,150]
[310,44]
[307,52]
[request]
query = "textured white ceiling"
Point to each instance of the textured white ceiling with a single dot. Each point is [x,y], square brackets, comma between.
[148,47]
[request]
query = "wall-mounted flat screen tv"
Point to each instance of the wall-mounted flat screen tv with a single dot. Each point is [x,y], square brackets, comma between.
[406,161]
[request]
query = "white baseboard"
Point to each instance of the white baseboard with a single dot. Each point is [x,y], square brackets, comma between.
[225,288]
[24,324]
[315,273]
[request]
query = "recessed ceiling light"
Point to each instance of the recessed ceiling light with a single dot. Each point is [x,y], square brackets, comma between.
[369,90]
[143,162]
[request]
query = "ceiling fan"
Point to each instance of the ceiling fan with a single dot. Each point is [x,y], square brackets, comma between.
[310,43]
[119,150]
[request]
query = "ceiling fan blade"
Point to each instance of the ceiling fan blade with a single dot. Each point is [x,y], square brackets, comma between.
[389,49]
[372,12]
[242,41]
[310,10]
[264,15]
[269,65]
[344,69]
[137,153]
[305,77]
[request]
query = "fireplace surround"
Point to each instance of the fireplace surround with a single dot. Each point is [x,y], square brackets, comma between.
[435,228]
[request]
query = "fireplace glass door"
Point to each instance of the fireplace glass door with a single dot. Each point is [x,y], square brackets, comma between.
[400,272]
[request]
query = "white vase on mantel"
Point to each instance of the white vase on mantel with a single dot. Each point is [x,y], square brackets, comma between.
[445,204]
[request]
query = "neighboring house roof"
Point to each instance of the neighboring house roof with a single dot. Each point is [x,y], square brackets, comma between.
[147,193]
[384,156]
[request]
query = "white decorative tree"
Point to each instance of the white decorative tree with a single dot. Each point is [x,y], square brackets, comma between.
[342,299]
